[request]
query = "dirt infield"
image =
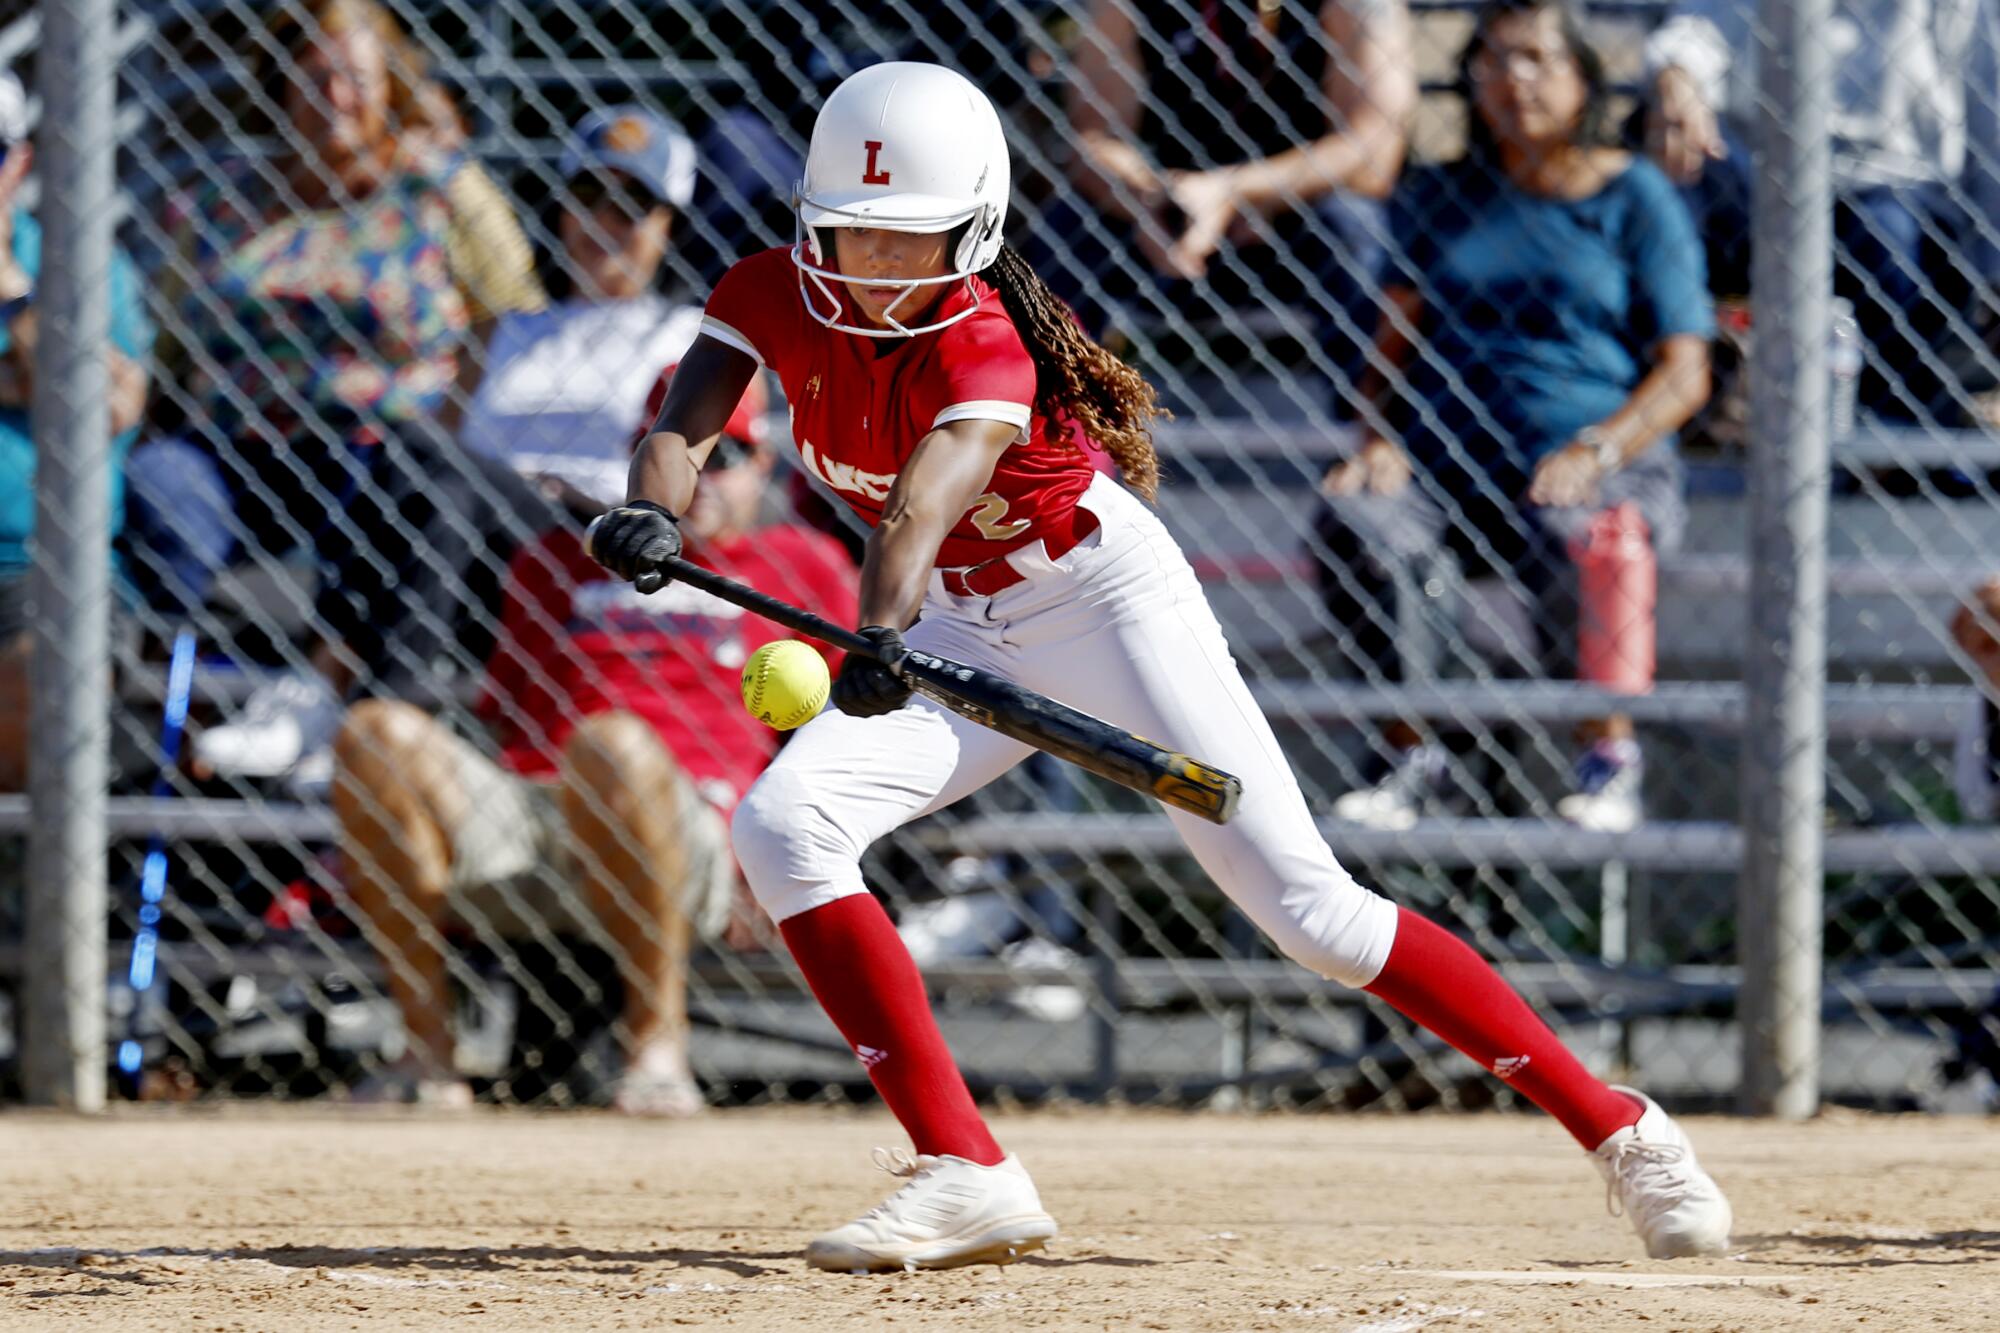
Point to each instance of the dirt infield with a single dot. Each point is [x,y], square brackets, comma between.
[312,1220]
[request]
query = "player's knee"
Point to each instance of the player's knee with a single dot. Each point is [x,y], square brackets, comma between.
[377,734]
[1343,933]
[791,851]
[613,752]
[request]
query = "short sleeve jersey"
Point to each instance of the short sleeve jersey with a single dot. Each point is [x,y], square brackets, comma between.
[861,405]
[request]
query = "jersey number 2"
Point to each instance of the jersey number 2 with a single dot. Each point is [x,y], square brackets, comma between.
[988,514]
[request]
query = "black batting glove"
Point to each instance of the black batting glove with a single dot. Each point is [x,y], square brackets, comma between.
[870,686]
[633,539]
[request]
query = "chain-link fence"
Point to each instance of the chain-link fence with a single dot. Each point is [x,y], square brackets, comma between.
[1457,313]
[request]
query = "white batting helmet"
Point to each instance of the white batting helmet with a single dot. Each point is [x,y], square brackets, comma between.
[901,146]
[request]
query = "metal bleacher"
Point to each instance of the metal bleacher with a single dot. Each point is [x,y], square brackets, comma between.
[1868,710]
[1443,843]
[1261,469]
[1248,989]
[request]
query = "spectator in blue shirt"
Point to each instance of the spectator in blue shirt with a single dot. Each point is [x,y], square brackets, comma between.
[132,339]
[1548,321]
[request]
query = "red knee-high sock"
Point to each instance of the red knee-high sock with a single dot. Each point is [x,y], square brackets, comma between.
[1435,979]
[868,984]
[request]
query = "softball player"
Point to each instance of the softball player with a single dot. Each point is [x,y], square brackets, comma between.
[941,390]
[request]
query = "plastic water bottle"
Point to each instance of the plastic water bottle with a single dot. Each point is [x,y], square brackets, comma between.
[1618,589]
[1843,367]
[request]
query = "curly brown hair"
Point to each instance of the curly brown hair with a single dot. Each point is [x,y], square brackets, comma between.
[1075,378]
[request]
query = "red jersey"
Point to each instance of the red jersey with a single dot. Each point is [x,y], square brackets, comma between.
[578,641]
[860,405]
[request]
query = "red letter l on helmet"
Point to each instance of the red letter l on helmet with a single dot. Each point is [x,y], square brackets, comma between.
[873,175]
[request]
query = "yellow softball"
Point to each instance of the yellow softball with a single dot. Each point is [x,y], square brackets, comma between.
[785,684]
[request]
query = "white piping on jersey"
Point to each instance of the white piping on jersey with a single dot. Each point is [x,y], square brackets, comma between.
[845,477]
[1017,415]
[728,336]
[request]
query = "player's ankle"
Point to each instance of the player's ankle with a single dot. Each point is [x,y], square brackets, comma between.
[980,1151]
[418,1065]
[659,1056]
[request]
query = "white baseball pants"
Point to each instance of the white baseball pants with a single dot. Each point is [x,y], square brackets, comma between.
[1119,628]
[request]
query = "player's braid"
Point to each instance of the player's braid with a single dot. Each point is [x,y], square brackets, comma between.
[1076,378]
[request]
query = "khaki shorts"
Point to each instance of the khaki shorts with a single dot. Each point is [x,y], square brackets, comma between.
[514,865]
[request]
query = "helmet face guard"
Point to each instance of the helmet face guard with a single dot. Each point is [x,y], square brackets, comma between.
[818,280]
[906,147]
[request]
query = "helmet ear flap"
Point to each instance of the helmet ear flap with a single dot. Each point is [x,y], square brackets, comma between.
[821,243]
[970,238]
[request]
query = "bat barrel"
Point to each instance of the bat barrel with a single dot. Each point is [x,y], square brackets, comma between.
[1088,742]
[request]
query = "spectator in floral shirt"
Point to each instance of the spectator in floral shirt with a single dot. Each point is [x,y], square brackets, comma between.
[329,303]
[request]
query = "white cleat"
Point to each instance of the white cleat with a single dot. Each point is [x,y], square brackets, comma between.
[1651,1175]
[1609,779]
[1373,807]
[1602,812]
[657,1085]
[284,725]
[408,1083]
[1395,803]
[953,1212]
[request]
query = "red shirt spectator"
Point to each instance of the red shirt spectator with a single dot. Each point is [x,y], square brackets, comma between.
[576,641]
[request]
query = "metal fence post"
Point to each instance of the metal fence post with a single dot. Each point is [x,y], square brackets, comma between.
[1784,757]
[63,1050]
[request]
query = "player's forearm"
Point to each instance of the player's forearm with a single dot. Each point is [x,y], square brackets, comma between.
[1115,176]
[663,471]
[1364,160]
[1665,400]
[1370,93]
[1402,308]
[896,567]
[941,481]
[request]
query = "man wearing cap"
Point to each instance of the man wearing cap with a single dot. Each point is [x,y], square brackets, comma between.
[132,341]
[563,385]
[552,398]
[620,749]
